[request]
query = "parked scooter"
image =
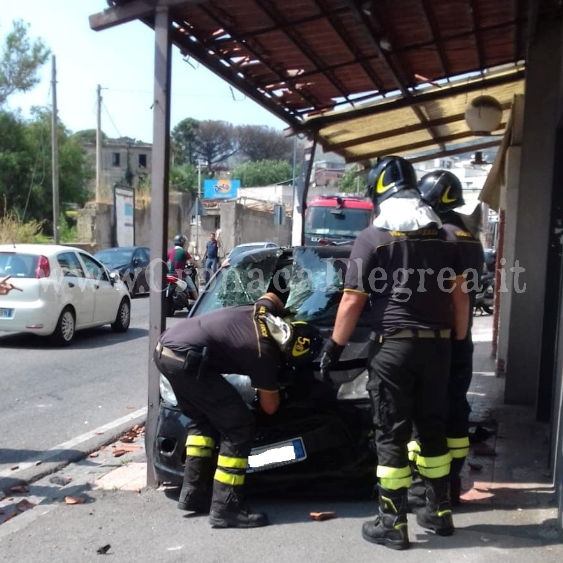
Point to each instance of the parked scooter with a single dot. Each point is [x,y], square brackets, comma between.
[485,298]
[177,293]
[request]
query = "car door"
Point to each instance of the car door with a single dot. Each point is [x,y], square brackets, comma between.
[107,297]
[140,265]
[75,288]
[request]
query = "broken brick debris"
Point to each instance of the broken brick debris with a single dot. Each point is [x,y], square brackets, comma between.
[19,489]
[75,500]
[322,515]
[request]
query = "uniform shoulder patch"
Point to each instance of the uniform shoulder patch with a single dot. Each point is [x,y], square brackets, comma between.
[463,234]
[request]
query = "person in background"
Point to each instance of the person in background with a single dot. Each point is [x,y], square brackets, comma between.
[211,256]
[178,258]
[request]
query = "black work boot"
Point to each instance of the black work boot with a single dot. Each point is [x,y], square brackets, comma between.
[230,509]
[416,497]
[239,517]
[455,480]
[390,526]
[195,495]
[437,514]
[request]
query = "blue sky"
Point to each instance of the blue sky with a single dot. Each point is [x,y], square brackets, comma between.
[122,60]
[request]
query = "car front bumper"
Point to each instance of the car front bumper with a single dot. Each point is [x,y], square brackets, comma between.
[335,443]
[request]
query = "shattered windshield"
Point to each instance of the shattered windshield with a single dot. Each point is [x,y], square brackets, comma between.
[241,283]
[316,284]
[312,280]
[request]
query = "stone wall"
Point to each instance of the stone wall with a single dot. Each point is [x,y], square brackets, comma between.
[238,223]
[95,222]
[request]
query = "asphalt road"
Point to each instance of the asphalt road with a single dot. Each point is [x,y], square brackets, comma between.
[51,395]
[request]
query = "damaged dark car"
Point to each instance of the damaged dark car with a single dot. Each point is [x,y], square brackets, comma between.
[323,432]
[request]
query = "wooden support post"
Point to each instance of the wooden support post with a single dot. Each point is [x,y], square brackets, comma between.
[159,220]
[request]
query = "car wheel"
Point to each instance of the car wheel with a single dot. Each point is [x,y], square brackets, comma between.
[65,329]
[123,319]
[488,309]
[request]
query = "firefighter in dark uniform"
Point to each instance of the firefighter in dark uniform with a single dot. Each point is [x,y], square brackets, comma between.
[407,266]
[443,191]
[193,354]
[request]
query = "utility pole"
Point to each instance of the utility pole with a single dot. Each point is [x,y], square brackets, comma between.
[99,145]
[197,219]
[55,154]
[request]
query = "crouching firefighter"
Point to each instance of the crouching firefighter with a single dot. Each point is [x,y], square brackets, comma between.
[399,264]
[249,340]
[442,190]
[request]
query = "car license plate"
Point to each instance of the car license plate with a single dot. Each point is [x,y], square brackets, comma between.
[276,455]
[6,313]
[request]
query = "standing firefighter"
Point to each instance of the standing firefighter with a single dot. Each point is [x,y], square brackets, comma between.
[248,340]
[406,265]
[443,191]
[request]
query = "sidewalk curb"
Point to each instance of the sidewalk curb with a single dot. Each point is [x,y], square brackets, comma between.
[64,457]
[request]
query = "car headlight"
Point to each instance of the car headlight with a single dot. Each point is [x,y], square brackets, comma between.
[354,390]
[243,385]
[166,392]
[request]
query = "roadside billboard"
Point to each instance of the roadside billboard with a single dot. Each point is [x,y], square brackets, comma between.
[221,188]
[124,209]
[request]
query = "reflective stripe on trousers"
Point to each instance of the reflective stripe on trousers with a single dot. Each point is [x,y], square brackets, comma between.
[413,447]
[459,447]
[393,478]
[199,446]
[434,467]
[231,470]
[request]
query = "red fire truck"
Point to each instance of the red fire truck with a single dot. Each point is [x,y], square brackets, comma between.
[335,219]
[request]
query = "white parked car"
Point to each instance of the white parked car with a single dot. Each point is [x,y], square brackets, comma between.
[63,289]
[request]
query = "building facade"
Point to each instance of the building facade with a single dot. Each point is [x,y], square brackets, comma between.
[124,161]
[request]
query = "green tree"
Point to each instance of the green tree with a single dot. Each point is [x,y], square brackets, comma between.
[183,141]
[88,136]
[20,61]
[215,142]
[353,181]
[263,173]
[25,166]
[259,142]
[183,178]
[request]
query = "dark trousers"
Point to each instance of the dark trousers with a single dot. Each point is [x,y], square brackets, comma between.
[210,267]
[461,371]
[408,386]
[217,412]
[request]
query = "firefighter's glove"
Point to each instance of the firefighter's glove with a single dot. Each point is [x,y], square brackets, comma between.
[330,355]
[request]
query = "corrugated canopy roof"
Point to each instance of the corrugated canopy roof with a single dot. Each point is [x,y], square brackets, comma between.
[315,63]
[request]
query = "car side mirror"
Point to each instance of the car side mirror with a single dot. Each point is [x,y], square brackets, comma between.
[113,277]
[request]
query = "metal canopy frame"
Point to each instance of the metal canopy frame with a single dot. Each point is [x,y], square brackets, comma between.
[303,59]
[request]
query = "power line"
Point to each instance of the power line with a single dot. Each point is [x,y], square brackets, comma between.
[111,119]
[177,95]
